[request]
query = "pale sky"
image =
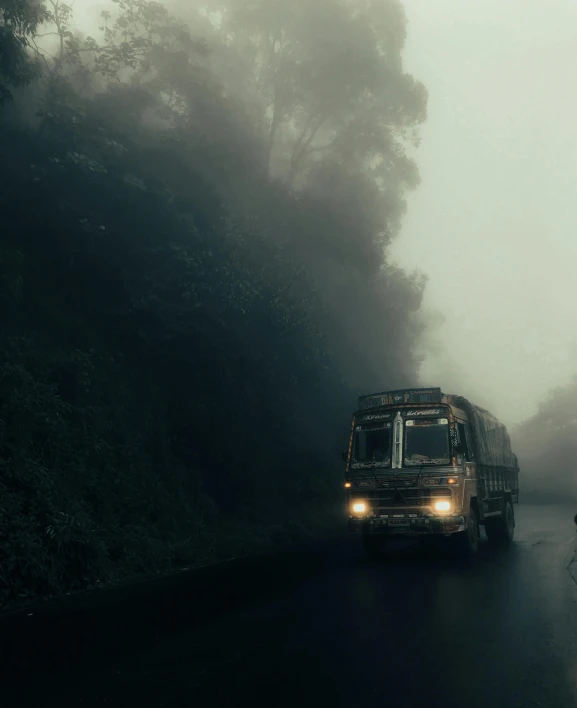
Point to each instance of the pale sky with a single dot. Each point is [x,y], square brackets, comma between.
[494,222]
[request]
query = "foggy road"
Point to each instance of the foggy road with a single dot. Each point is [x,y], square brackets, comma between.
[414,629]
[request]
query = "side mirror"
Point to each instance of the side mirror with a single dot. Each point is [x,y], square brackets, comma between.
[575,518]
[345,457]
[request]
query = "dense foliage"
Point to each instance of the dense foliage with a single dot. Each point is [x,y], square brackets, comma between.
[193,283]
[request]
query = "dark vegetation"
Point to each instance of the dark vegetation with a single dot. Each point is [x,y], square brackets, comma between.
[547,444]
[194,216]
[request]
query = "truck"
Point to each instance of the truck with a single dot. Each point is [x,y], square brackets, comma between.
[425,464]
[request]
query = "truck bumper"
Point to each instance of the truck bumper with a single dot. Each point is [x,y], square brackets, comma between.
[420,526]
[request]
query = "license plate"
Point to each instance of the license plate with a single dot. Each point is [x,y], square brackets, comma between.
[399,522]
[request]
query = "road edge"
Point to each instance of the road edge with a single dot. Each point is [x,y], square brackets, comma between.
[101,624]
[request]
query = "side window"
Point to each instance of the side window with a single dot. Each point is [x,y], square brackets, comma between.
[465,440]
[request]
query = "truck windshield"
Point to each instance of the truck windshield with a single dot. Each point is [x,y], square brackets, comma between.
[427,442]
[372,445]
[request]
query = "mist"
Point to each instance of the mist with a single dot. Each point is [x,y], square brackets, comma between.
[493,222]
[222,222]
[492,218]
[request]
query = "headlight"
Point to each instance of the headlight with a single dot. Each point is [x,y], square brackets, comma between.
[359,507]
[443,506]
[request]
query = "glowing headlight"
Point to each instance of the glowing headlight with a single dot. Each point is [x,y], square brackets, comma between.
[359,508]
[443,506]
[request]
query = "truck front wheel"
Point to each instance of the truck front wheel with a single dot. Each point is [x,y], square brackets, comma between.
[468,540]
[502,528]
[374,545]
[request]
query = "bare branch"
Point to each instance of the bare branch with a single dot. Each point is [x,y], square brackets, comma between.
[40,53]
[301,148]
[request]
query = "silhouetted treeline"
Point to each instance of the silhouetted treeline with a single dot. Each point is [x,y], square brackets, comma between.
[193,284]
[547,444]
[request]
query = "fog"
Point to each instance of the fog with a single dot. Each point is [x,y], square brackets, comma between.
[493,222]
[216,221]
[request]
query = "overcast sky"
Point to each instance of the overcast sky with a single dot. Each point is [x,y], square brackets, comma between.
[494,222]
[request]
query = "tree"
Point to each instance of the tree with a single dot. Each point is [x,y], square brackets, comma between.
[19,21]
[547,445]
[329,76]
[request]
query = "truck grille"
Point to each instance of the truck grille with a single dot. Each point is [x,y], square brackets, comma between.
[404,497]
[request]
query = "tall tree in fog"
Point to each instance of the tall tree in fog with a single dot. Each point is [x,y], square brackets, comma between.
[337,111]
[329,77]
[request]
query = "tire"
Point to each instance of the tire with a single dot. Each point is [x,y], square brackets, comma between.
[502,529]
[467,542]
[374,545]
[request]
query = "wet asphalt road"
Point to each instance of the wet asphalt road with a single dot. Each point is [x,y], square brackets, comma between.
[415,629]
